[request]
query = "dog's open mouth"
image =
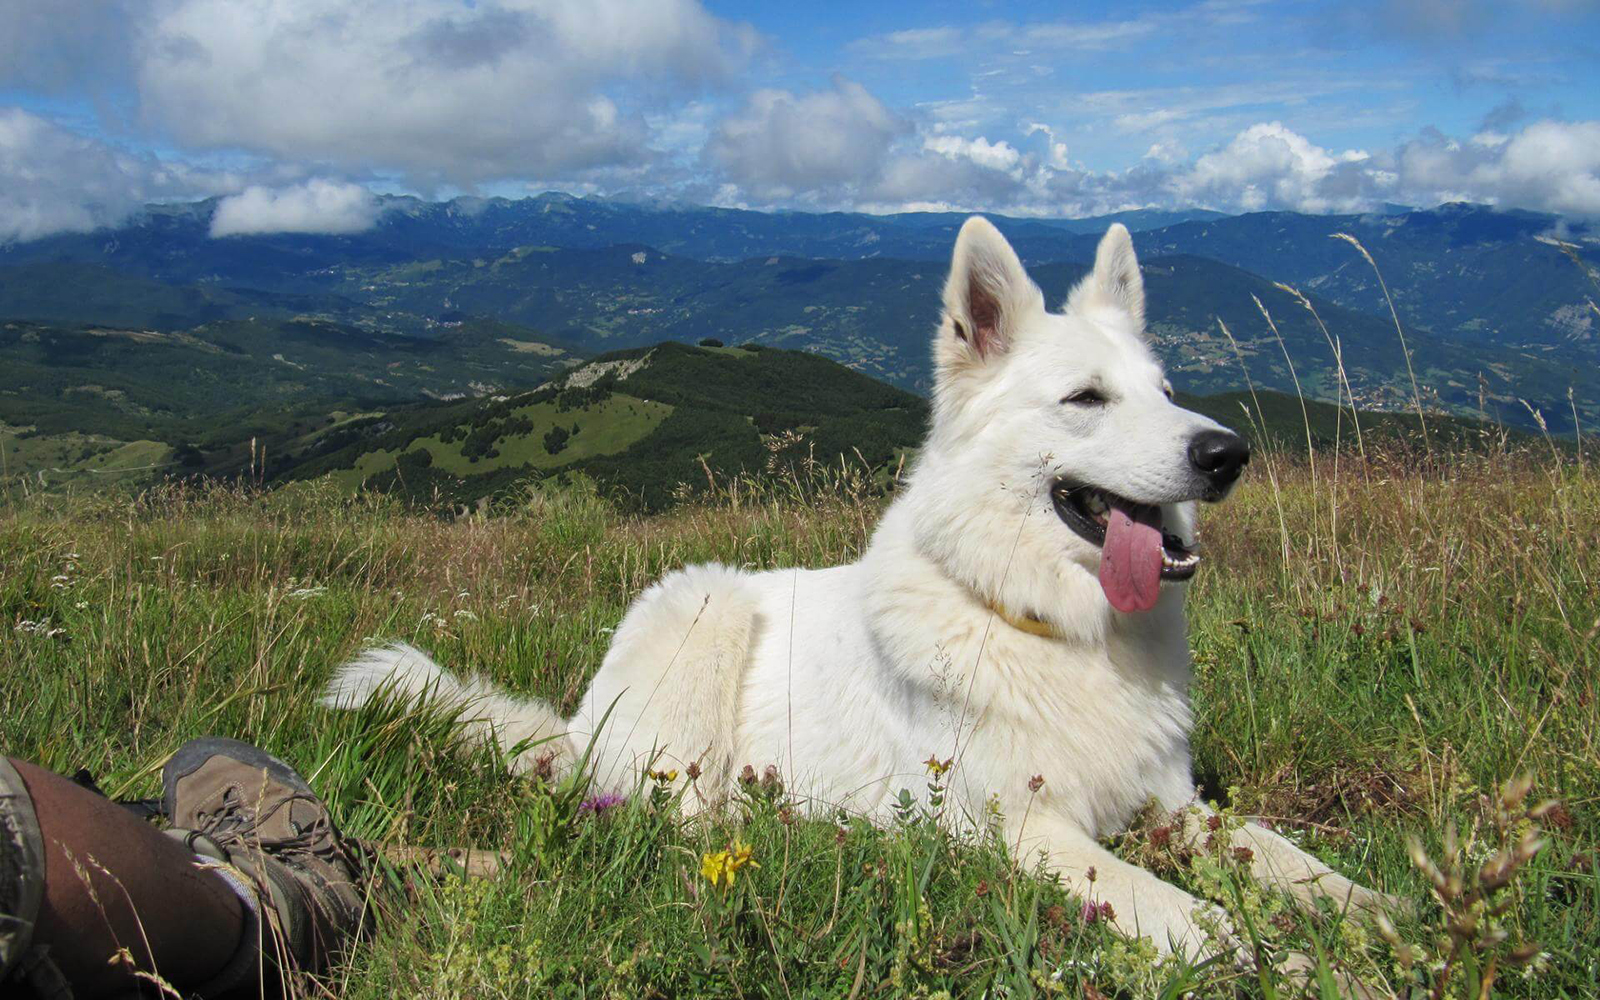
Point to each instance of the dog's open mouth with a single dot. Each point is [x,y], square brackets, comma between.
[1136,552]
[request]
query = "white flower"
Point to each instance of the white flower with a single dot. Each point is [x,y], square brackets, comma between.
[306,593]
[469,616]
[41,628]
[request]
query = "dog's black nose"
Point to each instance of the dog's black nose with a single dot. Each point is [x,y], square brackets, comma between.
[1219,455]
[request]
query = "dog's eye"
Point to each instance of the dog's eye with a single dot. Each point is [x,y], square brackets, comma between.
[1085,397]
[1166,388]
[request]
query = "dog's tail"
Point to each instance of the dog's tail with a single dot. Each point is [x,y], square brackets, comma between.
[405,674]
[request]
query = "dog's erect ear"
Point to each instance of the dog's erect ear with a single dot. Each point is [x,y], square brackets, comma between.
[988,293]
[1116,280]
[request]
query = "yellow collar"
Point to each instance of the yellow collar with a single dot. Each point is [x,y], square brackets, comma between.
[1025,623]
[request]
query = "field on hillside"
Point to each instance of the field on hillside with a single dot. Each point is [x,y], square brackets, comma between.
[1378,645]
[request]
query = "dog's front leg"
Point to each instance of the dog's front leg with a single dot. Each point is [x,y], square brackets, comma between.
[1141,904]
[1277,862]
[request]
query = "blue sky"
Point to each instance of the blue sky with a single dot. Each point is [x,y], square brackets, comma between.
[298,110]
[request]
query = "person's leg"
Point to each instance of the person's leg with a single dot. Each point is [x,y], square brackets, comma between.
[112,883]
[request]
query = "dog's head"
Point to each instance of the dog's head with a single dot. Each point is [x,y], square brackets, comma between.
[1069,413]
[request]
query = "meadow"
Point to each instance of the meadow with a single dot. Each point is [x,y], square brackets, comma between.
[1382,641]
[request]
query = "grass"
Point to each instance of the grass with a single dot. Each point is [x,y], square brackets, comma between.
[606,428]
[1374,656]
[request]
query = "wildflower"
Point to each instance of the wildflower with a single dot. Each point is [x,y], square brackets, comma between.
[664,777]
[544,766]
[43,629]
[723,866]
[937,767]
[306,593]
[747,776]
[1035,783]
[713,866]
[468,615]
[1243,855]
[693,770]
[1093,912]
[598,804]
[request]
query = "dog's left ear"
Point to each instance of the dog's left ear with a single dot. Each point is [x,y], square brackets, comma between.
[1116,280]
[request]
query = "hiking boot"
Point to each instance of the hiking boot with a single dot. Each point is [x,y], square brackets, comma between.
[246,808]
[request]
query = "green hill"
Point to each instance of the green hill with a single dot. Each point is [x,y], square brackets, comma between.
[75,399]
[639,422]
[644,423]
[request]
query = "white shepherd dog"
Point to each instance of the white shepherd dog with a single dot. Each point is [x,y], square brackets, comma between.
[1018,612]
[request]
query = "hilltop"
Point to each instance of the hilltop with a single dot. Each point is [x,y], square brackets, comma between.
[640,422]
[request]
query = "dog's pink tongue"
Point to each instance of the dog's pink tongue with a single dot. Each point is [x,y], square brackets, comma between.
[1130,562]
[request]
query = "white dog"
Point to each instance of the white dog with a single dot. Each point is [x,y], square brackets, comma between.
[1019,612]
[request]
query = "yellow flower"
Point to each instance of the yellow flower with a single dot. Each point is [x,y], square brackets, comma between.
[724,866]
[665,777]
[938,767]
[740,858]
[714,867]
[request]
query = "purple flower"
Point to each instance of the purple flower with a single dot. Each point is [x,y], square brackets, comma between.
[1093,913]
[600,803]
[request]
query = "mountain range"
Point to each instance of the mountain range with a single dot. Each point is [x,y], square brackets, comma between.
[157,332]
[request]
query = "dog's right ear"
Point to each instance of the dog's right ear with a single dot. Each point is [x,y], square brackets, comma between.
[986,297]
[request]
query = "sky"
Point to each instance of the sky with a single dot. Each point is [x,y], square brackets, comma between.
[297,114]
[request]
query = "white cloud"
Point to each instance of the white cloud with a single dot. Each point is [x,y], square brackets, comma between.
[317,206]
[1549,165]
[437,91]
[1056,155]
[995,36]
[54,180]
[1269,166]
[1000,156]
[782,145]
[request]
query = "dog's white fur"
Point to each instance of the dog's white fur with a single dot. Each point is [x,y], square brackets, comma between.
[849,678]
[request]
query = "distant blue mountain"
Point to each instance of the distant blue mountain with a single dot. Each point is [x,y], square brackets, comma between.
[1495,307]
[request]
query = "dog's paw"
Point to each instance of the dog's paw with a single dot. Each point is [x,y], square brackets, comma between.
[1302,970]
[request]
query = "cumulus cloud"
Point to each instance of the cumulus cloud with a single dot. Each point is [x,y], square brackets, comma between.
[1549,165]
[55,180]
[317,206]
[437,91]
[1270,166]
[782,145]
